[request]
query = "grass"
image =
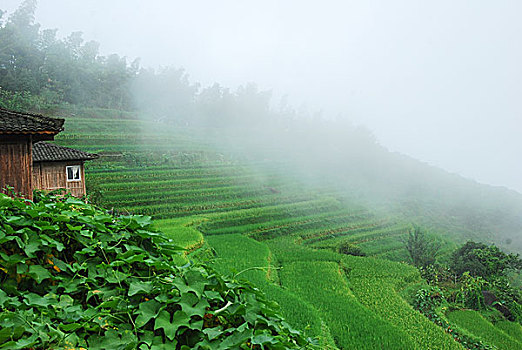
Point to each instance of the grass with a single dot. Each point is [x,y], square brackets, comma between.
[378,284]
[473,322]
[177,176]
[380,295]
[182,232]
[353,325]
[251,260]
[513,329]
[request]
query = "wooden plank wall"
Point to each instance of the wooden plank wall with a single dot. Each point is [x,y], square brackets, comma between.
[77,188]
[51,176]
[16,163]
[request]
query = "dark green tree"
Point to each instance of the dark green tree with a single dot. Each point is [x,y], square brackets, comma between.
[481,260]
[49,71]
[422,250]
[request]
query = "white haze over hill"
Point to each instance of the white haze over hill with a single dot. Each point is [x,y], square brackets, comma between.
[440,81]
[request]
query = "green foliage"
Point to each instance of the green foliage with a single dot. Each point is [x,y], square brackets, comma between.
[25,101]
[508,296]
[483,261]
[477,325]
[423,252]
[73,276]
[427,299]
[431,273]
[471,291]
[347,248]
[429,302]
[380,295]
[352,324]
[38,70]
[247,259]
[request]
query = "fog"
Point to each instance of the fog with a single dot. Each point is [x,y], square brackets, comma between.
[439,81]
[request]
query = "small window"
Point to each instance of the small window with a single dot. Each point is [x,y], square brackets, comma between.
[73,173]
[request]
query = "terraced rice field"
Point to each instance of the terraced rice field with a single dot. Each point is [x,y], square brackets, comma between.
[505,336]
[279,232]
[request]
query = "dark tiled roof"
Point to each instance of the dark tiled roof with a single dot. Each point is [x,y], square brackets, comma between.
[48,152]
[24,123]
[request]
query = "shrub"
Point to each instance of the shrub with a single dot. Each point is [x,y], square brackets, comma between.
[350,249]
[481,260]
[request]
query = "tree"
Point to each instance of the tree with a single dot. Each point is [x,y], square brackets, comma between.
[481,260]
[422,251]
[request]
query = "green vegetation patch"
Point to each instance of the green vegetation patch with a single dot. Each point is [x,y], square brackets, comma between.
[379,295]
[73,276]
[353,325]
[183,233]
[252,260]
[511,328]
[473,322]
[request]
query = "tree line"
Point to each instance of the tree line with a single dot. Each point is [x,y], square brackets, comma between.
[37,66]
[39,71]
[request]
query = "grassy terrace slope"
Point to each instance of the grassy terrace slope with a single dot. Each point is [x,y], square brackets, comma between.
[507,338]
[276,231]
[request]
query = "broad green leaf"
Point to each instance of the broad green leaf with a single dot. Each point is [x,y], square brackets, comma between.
[5,201]
[197,281]
[140,288]
[146,311]
[70,327]
[65,300]
[264,339]
[3,298]
[235,339]
[213,333]
[179,319]
[143,220]
[38,273]
[6,333]
[74,228]
[32,243]
[193,306]
[26,342]
[36,300]
[159,344]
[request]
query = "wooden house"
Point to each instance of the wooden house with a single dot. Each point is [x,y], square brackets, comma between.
[26,163]
[57,167]
[18,132]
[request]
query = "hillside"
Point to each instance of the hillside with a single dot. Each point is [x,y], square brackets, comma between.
[258,218]
[287,219]
[274,162]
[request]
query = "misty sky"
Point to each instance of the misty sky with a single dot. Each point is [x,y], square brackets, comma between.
[438,80]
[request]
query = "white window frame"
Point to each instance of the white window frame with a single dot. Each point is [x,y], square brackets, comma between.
[79,173]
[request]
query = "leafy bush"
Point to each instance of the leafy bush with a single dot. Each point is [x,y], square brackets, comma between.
[25,101]
[471,291]
[427,299]
[350,249]
[74,276]
[484,261]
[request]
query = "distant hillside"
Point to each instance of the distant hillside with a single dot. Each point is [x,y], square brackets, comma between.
[349,158]
[42,73]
